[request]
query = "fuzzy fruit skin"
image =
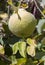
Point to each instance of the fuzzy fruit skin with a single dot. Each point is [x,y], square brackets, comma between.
[23,27]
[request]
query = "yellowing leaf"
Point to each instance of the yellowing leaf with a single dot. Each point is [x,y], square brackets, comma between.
[31,51]
[4,15]
[31,47]
[2,49]
[24,5]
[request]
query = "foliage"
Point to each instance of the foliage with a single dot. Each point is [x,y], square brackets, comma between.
[26,51]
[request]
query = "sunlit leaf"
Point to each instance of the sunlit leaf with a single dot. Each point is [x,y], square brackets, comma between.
[41,26]
[15,48]
[22,48]
[21,61]
[13,60]
[4,15]
[31,47]
[31,51]
[9,2]
[31,42]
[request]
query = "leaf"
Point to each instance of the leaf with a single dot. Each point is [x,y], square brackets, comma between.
[39,46]
[44,63]
[42,3]
[41,26]
[30,62]
[24,5]
[31,51]
[2,49]
[43,58]
[15,48]
[39,55]
[4,16]
[21,61]
[31,42]
[9,2]
[13,59]
[1,40]
[31,47]
[43,41]
[22,48]
[43,48]
[6,29]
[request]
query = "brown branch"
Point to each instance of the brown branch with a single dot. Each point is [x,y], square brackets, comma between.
[39,8]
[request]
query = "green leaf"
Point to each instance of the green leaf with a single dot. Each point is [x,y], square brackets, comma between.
[43,58]
[31,42]
[39,55]
[22,48]
[21,61]
[6,29]
[13,59]
[15,48]
[41,26]
[1,40]
[30,62]
[39,46]
[43,41]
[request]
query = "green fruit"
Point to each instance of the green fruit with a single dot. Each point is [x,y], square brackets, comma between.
[22,24]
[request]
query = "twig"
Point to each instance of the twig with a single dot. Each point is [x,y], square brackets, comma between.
[39,8]
[4,58]
[34,11]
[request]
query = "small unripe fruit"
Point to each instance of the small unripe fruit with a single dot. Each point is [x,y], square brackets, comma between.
[22,24]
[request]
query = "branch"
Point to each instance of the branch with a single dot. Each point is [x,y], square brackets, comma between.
[39,8]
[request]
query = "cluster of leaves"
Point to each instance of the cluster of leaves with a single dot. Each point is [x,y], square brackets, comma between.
[18,51]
